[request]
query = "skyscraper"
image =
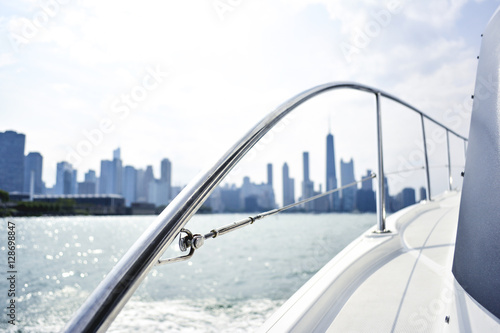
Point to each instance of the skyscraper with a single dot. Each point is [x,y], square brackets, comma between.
[166,171]
[33,173]
[423,193]
[288,187]
[305,166]
[74,182]
[149,178]
[256,196]
[64,178]
[347,177]
[404,199]
[117,172]
[166,177]
[365,197]
[90,176]
[12,161]
[367,184]
[141,191]
[129,184]
[117,153]
[307,184]
[111,178]
[89,186]
[106,177]
[331,177]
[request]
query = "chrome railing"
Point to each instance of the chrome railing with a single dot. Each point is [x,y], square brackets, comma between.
[107,300]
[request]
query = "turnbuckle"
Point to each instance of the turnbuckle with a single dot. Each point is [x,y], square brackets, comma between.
[190,241]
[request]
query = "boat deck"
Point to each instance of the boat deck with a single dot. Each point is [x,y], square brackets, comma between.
[395,282]
[411,291]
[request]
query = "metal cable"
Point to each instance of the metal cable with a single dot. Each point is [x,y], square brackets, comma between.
[197,240]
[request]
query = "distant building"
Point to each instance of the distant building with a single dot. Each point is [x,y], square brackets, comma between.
[230,199]
[65,179]
[225,199]
[214,202]
[408,197]
[261,196]
[117,173]
[365,197]
[270,189]
[111,178]
[404,199]
[90,178]
[423,194]
[307,184]
[88,188]
[158,193]
[166,171]
[12,161]
[129,184]
[252,204]
[106,177]
[331,177]
[367,184]
[74,182]
[148,179]
[322,204]
[250,197]
[142,208]
[305,166]
[288,187]
[50,190]
[174,191]
[166,176]
[347,177]
[33,163]
[96,204]
[141,190]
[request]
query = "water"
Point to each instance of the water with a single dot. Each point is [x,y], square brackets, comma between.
[232,284]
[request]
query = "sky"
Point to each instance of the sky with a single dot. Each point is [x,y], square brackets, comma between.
[184,80]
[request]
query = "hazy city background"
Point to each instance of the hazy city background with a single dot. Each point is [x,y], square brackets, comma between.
[118,189]
[185,81]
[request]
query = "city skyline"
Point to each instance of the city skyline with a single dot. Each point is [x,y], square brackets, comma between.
[158,171]
[143,87]
[141,186]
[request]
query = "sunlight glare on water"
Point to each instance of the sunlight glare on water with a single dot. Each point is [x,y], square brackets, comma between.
[233,283]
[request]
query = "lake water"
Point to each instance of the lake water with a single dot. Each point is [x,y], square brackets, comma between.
[232,284]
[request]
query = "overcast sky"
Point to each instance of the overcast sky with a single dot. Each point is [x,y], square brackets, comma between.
[185,79]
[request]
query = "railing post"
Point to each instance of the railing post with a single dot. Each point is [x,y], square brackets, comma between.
[429,197]
[450,180]
[380,173]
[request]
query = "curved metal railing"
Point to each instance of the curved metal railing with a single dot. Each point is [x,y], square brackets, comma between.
[107,300]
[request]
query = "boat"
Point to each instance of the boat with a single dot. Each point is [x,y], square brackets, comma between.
[432,266]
